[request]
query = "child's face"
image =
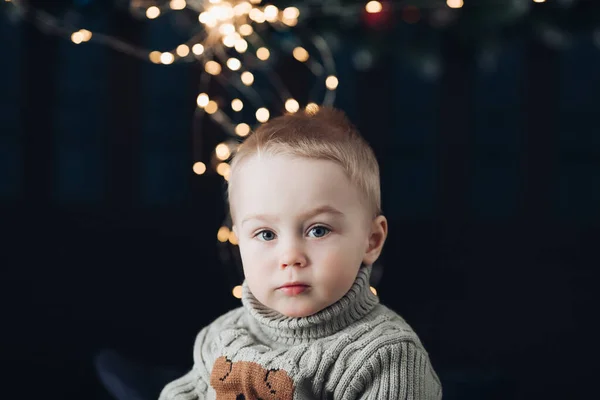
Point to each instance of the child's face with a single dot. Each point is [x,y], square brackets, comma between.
[301,221]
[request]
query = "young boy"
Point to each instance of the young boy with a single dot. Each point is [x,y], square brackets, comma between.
[305,202]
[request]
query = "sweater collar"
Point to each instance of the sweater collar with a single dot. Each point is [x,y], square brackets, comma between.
[278,328]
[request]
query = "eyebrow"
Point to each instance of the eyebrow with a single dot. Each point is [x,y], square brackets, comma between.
[309,214]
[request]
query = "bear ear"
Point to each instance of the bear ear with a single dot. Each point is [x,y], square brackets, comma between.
[221,370]
[279,384]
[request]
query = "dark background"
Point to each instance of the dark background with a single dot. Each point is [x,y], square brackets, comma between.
[490,158]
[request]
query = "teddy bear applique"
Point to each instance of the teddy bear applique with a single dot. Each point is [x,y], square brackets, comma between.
[244,380]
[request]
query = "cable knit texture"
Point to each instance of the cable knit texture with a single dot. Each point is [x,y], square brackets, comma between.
[354,349]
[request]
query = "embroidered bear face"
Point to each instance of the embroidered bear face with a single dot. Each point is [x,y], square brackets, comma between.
[244,380]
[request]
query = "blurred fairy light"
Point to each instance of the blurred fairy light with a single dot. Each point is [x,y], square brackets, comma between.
[199,168]
[373,7]
[455,3]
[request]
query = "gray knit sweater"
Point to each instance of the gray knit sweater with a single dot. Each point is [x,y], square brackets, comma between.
[354,349]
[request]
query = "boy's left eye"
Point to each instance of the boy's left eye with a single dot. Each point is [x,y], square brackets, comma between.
[319,231]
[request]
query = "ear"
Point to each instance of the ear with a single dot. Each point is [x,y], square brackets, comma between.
[377,236]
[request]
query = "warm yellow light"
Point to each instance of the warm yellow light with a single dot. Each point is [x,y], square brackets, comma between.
[222,151]
[262,114]
[257,16]
[199,168]
[233,239]
[223,234]
[331,82]
[373,7]
[234,64]
[263,53]
[183,50]
[300,54]
[290,21]
[223,168]
[229,40]
[455,3]
[226,29]
[242,8]
[222,12]
[292,105]
[241,46]
[539,1]
[211,107]
[237,105]
[152,12]
[374,290]
[177,4]
[247,78]
[215,1]
[86,35]
[167,58]
[242,129]
[271,13]
[155,57]
[212,67]
[255,1]
[198,49]
[77,37]
[245,30]
[202,100]
[237,292]
[291,13]
[311,108]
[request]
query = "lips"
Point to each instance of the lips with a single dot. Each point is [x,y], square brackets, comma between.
[293,288]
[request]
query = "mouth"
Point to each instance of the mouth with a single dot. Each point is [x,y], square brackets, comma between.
[293,288]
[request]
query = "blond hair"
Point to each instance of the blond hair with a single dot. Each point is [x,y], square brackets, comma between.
[326,134]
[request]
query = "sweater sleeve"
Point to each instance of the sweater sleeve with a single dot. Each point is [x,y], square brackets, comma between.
[399,371]
[194,384]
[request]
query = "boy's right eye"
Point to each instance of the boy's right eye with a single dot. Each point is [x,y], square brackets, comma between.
[265,235]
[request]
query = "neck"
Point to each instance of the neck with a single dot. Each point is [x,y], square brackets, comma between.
[355,304]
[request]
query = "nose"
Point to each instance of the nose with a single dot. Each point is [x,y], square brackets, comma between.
[293,255]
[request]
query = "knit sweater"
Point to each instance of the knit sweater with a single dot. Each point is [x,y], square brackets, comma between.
[353,349]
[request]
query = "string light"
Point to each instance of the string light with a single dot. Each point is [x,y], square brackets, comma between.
[167,58]
[233,239]
[234,64]
[331,82]
[202,100]
[211,107]
[153,12]
[373,290]
[237,105]
[183,50]
[223,168]
[539,1]
[199,168]
[263,53]
[77,37]
[311,108]
[247,78]
[271,13]
[198,49]
[178,4]
[373,7]
[155,57]
[222,151]
[300,54]
[291,13]
[455,3]
[245,30]
[241,46]
[292,105]
[237,292]
[212,67]
[242,129]
[262,115]
[223,234]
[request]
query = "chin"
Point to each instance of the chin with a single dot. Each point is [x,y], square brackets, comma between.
[297,313]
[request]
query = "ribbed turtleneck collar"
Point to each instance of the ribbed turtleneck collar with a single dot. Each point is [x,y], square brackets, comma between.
[355,304]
